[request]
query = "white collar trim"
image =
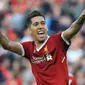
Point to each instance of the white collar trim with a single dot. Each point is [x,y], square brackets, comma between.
[38,49]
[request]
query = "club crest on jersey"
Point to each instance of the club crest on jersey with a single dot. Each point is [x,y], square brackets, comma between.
[49,57]
[46,49]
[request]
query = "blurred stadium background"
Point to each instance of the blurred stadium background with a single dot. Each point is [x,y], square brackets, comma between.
[59,14]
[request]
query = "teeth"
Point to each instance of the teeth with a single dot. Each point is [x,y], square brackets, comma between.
[41,35]
[41,32]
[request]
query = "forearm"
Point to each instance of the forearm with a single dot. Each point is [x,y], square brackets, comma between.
[74,28]
[9,45]
[77,25]
[4,41]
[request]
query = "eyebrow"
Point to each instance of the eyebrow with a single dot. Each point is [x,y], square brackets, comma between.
[40,21]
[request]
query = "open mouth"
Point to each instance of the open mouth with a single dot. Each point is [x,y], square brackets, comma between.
[41,34]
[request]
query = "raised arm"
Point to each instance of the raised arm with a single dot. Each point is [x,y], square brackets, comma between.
[75,27]
[9,45]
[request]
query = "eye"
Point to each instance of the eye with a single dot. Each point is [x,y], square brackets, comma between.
[43,22]
[35,24]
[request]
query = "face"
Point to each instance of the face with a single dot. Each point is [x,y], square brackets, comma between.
[38,29]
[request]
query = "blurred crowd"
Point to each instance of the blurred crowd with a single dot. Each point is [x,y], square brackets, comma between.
[59,14]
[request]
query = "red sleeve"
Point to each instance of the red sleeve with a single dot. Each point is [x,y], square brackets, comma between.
[25,49]
[72,80]
[60,41]
[63,41]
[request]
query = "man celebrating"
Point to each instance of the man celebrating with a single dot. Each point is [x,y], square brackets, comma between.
[47,54]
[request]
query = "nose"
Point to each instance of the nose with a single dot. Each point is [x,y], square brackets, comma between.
[40,26]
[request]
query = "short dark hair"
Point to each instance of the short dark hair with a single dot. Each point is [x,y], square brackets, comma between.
[33,14]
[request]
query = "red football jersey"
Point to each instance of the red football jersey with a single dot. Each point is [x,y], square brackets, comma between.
[72,80]
[49,62]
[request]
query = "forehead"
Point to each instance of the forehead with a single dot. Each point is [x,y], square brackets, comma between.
[37,19]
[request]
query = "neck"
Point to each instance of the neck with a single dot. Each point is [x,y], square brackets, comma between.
[38,44]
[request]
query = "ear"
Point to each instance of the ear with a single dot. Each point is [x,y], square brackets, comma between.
[29,31]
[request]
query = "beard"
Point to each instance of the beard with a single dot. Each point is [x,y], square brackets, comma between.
[42,41]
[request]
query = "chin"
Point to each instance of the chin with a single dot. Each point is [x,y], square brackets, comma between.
[41,40]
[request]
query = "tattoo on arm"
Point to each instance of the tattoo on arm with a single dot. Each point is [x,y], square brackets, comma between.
[80,21]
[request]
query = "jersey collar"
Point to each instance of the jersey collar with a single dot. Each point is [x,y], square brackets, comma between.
[38,49]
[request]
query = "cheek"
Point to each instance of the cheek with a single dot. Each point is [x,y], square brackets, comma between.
[46,30]
[33,32]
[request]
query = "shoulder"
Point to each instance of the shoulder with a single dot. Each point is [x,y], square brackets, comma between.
[59,36]
[56,36]
[27,45]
